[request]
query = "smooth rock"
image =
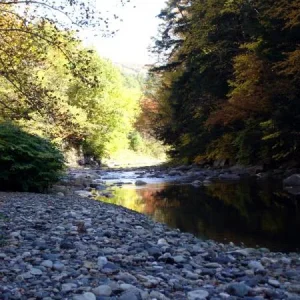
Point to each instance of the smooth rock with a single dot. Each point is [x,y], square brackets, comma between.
[47,264]
[255,265]
[274,283]
[102,261]
[67,287]
[102,290]
[293,180]
[35,271]
[237,289]
[140,182]
[85,296]
[197,295]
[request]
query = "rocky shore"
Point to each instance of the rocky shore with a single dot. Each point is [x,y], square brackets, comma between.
[54,247]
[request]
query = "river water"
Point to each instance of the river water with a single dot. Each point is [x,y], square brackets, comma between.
[250,212]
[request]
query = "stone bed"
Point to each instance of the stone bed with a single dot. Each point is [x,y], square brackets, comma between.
[55,247]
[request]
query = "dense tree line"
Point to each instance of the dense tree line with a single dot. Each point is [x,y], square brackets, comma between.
[54,87]
[229,80]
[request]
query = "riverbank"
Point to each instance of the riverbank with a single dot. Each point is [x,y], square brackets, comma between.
[77,248]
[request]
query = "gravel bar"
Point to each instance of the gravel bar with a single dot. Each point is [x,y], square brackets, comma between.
[54,247]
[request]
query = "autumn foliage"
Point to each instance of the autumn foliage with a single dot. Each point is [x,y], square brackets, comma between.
[235,80]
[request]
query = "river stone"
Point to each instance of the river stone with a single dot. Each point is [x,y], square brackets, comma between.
[130,295]
[102,290]
[237,289]
[158,295]
[179,259]
[197,295]
[47,264]
[67,287]
[35,271]
[58,266]
[294,288]
[140,182]
[85,296]
[274,283]
[162,242]
[255,265]
[293,180]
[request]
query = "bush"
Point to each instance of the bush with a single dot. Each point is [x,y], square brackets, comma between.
[27,162]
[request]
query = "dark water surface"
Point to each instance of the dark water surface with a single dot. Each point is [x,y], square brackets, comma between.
[249,212]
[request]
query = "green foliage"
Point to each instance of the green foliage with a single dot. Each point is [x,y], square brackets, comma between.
[27,162]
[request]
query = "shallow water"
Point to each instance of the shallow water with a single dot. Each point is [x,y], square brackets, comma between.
[250,212]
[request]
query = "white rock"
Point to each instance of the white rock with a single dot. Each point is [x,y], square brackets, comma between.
[197,295]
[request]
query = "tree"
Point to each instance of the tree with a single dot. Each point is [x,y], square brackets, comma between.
[231,80]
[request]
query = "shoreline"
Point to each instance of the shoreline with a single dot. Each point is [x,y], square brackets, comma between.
[78,248]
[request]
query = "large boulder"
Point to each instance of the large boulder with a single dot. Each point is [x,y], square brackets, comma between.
[293,180]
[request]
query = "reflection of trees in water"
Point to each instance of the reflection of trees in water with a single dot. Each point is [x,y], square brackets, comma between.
[244,212]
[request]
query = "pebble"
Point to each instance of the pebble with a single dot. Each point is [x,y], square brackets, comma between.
[102,290]
[274,283]
[85,296]
[197,295]
[47,264]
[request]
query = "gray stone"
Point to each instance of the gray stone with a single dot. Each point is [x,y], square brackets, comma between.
[293,180]
[197,295]
[83,193]
[102,261]
[237,289]
[36,272]
[255,265]
[274,283]
[179,259]
[58,266]
[102,290]
[162,242]
[130,295]
[140,182]
[85,296]
[294,288]
[68,287]
[158,295]
[47,264]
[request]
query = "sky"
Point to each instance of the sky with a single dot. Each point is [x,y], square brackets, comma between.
[131,42]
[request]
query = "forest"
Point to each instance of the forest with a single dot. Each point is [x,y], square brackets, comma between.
[227,82]
[225,86]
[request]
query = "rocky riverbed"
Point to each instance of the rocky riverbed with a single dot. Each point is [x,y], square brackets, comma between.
[55,247]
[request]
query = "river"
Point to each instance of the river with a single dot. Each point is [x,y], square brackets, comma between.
[249,212]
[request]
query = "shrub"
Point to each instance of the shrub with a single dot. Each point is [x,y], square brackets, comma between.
[27,162]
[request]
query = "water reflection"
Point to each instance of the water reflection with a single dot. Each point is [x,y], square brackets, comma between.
[248,212]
